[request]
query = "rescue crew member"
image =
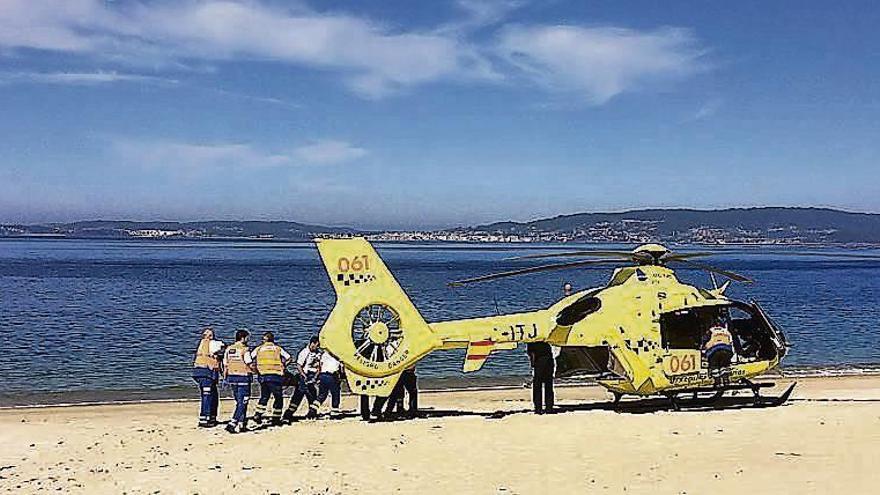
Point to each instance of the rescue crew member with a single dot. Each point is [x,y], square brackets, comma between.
[206,372]
[718,348]
[566,289]
[270,359]
[543,367]
[329,375]
[408,383]
[237,367]
[308,362]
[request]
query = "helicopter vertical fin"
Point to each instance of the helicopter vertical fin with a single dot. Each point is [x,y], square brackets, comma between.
[374,328]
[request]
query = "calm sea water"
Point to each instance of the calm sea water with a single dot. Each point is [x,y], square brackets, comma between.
[83,315]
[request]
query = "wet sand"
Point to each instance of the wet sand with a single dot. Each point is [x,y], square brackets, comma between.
[824,440]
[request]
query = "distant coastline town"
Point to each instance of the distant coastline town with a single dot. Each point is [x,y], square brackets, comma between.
[758,226]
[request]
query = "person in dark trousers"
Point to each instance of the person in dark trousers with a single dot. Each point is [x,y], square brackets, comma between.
[407,383]
[365,407]
[541,360]
[308,363]
[270,359]
[238,369]
[206,372]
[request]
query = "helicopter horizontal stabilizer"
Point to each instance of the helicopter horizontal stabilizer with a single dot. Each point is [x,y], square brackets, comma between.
[478,352]
[374,328]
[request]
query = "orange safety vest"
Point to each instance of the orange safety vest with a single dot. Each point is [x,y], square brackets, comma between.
[718,335]
[204,358]
[269,359]
[234,360]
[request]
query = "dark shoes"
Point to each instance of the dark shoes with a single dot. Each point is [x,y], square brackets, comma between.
[258,418]
[231,428]
[288,416]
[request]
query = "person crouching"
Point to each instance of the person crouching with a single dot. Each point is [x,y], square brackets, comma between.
[237,364]
[271,360]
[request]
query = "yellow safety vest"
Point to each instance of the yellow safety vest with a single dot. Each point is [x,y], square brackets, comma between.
[234,360]
[269,359]
[718,335]
[204,358]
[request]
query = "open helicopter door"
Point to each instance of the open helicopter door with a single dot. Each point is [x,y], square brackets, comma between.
[776,334]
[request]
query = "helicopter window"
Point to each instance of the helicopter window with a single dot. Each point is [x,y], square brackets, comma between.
[578,310]
[684,329]
[751,338]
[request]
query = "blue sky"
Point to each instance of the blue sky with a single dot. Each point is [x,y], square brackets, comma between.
[424,114]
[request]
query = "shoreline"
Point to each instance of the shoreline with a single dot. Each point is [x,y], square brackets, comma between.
[187,393]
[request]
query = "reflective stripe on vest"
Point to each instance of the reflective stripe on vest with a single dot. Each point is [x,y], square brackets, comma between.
[204,358]
[235,364]
[269,359]
[718,335]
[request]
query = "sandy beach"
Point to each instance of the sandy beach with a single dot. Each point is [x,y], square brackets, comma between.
[824,440]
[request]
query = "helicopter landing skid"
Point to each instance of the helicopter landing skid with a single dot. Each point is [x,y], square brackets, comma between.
[718,393]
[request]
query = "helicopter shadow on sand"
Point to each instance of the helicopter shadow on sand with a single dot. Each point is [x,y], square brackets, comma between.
[635,406]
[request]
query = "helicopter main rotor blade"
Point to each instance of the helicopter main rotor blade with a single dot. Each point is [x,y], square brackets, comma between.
[571,254]
[684,256]
[709,268]
[534,269]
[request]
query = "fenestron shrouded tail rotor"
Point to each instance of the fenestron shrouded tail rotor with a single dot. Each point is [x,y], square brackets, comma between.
[374,329]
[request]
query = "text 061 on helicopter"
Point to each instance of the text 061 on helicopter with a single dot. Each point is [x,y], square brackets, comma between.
[643,333]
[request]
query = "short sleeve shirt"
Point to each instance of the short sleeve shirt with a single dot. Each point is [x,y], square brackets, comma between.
[309,360]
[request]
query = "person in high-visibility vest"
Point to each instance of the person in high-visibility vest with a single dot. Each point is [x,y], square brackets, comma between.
[271,360]
[237,369]
[206,372]
[718,351]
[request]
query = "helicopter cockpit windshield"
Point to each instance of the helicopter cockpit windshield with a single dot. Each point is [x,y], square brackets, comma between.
[754,337]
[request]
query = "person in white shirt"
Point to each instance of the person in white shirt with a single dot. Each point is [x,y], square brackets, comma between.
[308,363]
[329,376]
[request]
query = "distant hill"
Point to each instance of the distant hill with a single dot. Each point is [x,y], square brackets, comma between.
[735,225]
[104,229]
[729,225]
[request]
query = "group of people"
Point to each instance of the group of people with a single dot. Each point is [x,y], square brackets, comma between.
[318,375]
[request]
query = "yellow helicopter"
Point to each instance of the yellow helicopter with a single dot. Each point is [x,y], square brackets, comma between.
[641,334]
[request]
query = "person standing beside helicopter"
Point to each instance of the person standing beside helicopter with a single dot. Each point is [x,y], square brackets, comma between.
[543,367]
[206,372]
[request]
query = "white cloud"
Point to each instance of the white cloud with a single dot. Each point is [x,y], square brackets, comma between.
[79,78]
[372,59]
[706,110]
[329,152]
[194,156]
[599,63]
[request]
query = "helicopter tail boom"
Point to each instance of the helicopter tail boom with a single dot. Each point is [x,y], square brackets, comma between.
[374,329]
